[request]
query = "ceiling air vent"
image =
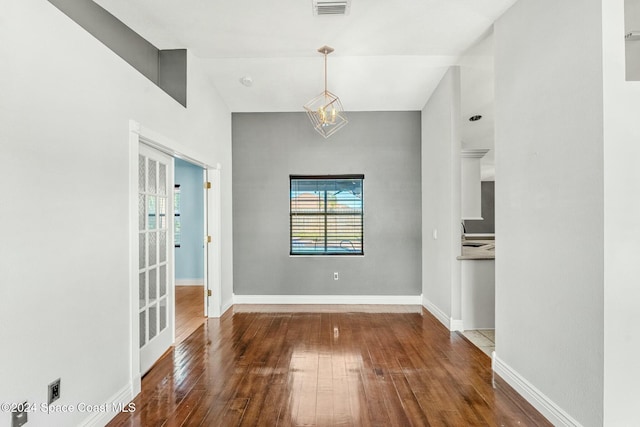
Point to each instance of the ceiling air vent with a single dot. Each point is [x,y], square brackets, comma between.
[331,7]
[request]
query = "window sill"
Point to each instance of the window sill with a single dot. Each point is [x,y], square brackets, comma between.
[327,256]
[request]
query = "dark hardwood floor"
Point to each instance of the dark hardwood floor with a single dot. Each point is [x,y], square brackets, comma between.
[340,366]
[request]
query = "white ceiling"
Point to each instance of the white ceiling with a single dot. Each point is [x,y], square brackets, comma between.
[389,55]
[477,98]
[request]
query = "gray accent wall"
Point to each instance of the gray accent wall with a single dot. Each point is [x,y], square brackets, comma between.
[384,146]
[172,73]
[488,222]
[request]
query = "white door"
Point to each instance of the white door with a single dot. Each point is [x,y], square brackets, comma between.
[155,249]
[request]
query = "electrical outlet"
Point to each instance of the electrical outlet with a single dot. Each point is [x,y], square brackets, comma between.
[335,275]
[54,391]
[19,416]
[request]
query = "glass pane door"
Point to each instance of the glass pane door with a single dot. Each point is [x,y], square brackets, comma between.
[155,222]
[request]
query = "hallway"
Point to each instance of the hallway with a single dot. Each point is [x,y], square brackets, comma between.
[189,311]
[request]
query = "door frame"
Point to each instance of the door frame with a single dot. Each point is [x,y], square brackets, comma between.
[213,253]
[213,277]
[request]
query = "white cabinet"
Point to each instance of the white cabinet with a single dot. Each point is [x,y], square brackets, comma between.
[471,191]
[478,294]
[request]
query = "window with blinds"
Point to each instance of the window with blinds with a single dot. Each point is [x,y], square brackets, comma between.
[326,214]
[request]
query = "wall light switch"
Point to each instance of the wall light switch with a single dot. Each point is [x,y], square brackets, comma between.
[435,234]
[335,275]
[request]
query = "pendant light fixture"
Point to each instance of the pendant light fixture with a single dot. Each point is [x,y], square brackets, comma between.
[325,110]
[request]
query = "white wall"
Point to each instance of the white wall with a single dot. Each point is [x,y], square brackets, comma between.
[477,94]
[441,200]
[621,225]
[64,255]
[549,201]
[210,134]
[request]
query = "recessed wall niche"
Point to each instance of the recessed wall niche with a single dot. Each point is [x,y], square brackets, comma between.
[632,39]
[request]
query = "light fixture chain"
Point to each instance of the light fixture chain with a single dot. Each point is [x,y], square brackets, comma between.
[325,71]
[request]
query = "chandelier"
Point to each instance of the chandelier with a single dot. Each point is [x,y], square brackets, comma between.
[325,110]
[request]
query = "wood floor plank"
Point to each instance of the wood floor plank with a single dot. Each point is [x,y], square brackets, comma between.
[336,366]
[189,310]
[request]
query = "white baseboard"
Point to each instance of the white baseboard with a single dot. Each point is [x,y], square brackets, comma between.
[449,322]
[328,299]
[189,282]
[535,397]
[119,400]
[226,306]
[455,324]
[435,310]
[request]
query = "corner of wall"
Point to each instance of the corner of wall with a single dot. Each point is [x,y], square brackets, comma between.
[449,322]
[441,277]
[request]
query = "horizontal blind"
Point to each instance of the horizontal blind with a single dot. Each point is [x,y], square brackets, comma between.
[326,215]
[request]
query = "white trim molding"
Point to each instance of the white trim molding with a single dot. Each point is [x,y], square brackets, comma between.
[213,251]
[433,309]
[226,306]
[328,299]
[535,397]
[118,402]
[473,153]
[455,324]
[449,322]
[134,319]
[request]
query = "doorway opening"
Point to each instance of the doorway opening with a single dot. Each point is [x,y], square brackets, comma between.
[189,247]
[148,263]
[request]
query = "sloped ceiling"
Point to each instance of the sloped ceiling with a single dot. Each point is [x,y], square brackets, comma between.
[389,55]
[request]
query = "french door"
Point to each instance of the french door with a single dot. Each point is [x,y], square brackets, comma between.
[155,248]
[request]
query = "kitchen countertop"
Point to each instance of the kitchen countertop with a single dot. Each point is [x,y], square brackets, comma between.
[478,248]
